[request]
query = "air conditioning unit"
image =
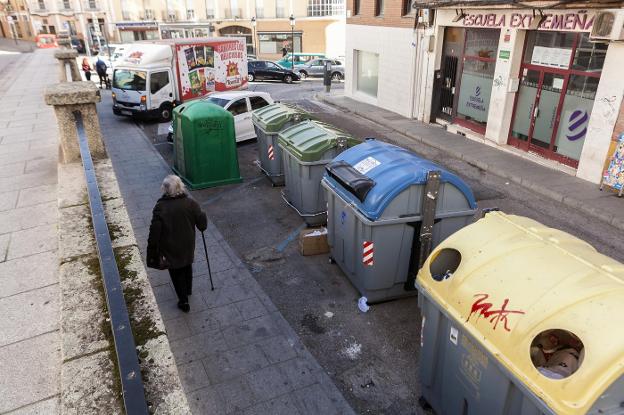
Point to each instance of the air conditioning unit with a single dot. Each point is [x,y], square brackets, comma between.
[608,26]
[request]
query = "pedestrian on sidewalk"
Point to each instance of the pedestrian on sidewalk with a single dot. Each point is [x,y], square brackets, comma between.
[171,241]
[86,68]
[100,68]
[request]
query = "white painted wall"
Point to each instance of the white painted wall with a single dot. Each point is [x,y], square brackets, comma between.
[396,65]
[335,39]
[503,95]
[603,116]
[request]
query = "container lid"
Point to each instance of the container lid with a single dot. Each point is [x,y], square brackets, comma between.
[310,140]
[515,279]
[273,117]
[393,169]
[201,110]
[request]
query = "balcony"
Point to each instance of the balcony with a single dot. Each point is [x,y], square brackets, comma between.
[232,13]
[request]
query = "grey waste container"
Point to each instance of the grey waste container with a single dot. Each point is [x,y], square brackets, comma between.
[377,215]
[268,122]
[306,148]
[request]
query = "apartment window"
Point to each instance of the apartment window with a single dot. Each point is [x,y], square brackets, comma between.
[379,7]
[326,7]
[210,9]
[190,14]
[367,72]
[259,9]
[280,8]
[408,7]
[41,5]
[92,4]
[356,7]
[66,4]
[149,14]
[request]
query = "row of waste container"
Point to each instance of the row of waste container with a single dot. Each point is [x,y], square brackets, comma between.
[517,318]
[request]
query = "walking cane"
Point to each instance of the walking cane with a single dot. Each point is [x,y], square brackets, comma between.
[207,261]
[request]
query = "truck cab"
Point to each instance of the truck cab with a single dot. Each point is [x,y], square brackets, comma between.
[143,82]
[147,91]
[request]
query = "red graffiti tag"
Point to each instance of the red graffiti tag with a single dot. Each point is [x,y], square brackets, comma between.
[481,308]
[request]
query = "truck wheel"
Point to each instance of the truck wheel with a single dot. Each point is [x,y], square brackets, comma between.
[303,74]
[251,77]
[165,112]
[336,76]
[288,79]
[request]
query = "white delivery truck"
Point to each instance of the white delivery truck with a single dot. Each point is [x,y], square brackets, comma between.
[154,76]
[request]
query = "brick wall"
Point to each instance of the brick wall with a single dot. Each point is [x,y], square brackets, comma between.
[392,14]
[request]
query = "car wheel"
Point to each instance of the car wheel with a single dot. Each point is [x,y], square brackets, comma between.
[165,113]
[336,76]
[288,79]
[303,74]
[251,77]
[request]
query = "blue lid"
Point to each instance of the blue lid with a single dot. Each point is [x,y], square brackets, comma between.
[393,169]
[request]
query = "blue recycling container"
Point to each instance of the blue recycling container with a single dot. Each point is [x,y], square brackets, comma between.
[375,201]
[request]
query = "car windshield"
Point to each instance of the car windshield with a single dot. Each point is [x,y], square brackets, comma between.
[218,101]
[129,79]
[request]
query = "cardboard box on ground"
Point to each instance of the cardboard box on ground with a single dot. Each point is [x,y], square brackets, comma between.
[313,241]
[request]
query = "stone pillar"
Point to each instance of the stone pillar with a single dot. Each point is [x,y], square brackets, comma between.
[66,98]
[68,56]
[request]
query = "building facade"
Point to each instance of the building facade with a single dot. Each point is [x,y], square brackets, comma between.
[264,23]
[15,21]
[531,80]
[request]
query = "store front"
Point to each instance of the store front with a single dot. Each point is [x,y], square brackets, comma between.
[559,78]
[467,74]
[130,32]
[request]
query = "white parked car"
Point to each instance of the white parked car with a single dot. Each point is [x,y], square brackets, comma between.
[240,104]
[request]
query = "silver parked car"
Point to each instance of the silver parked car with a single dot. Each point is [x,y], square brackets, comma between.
[316,67]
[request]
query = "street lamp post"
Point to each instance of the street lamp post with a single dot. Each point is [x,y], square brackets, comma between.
[254,22]
[292,40]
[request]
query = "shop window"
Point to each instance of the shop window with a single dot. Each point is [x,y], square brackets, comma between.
[272,43]
[589,56]
[575,114]
[557,354]
[367,72]
[551,49]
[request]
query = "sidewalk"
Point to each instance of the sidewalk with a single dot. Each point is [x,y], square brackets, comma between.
[235,352]
[9,45]
[29,289]
[558,186]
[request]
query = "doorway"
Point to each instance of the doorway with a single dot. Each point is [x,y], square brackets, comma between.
[558,82]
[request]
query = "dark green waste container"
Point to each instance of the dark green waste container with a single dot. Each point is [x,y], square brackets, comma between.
[306,148]
[268,122]
[204,143]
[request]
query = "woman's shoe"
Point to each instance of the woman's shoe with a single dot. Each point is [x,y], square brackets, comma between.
[184,307]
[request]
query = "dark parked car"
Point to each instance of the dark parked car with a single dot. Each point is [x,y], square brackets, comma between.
[261,70]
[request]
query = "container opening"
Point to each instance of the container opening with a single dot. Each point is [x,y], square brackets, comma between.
[444,264]
[557,353]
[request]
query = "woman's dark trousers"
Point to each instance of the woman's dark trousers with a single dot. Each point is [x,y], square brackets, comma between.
[182,279]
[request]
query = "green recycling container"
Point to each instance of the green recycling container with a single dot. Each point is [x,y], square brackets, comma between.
[204,144]
[307,147]
[268,122]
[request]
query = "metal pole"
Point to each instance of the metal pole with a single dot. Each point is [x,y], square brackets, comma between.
[292,46]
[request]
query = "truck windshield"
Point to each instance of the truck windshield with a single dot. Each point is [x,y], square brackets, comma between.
[129,79]
[218,101]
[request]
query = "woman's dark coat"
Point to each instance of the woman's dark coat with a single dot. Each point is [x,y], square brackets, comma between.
[172,231]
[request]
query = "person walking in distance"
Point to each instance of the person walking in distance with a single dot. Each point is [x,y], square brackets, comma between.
[100,68]
[86,68]
[171,241]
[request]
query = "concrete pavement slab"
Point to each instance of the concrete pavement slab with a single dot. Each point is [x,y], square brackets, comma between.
[29,371]
[8,200]
[29,314]
[37,195]
[34,271]
[45,407]
[33,241]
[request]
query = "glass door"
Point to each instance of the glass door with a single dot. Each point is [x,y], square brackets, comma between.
[544,117]
[525,105]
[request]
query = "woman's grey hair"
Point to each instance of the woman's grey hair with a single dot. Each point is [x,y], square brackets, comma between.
[173,186]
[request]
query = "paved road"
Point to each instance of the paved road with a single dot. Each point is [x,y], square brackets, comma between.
[371,357]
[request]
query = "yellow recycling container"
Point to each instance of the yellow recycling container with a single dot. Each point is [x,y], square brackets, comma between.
[520,318]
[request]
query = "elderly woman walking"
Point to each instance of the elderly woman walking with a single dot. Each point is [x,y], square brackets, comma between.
[171,241]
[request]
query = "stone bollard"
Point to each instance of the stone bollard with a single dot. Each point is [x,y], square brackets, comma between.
[66,98]
[65,57]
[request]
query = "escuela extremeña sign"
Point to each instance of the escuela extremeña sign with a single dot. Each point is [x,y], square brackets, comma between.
[575,21]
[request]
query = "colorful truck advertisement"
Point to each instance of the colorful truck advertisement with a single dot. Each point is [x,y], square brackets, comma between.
[210,67]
